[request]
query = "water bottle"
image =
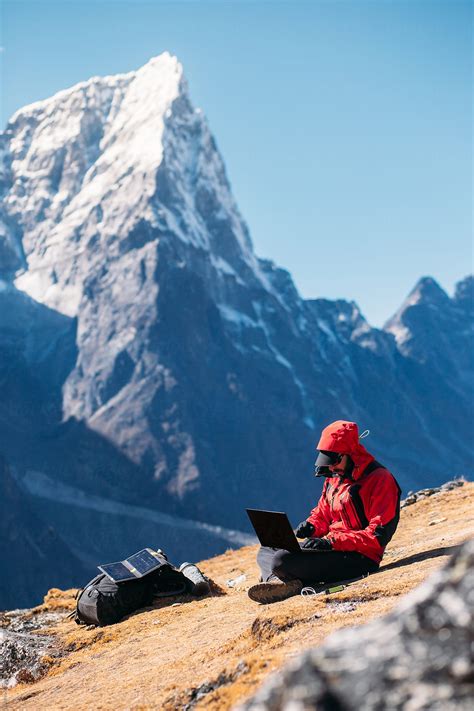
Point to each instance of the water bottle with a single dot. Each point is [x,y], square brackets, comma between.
[200,585]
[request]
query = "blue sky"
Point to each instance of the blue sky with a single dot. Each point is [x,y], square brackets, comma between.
[346,126]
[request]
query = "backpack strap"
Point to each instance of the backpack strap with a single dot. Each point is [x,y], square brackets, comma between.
[376,465]
[372,467]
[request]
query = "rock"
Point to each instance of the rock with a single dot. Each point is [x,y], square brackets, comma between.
[417,657]
[413,497]
[25,655]
[236,582]
[344,606]
[449,485]
[191,697]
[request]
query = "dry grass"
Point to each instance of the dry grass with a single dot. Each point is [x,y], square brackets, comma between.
[213,652]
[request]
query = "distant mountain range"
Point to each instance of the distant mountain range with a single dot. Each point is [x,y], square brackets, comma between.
[156,376]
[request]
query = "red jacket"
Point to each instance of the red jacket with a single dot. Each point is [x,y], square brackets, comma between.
[360,513]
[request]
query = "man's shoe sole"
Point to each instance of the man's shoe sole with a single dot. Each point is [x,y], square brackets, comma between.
[266,593]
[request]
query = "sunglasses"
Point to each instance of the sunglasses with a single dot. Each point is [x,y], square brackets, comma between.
[334,457]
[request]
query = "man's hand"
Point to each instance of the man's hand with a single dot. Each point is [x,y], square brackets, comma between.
[304,530]
[317,544]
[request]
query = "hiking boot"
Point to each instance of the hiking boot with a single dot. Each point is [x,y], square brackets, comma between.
[274,591]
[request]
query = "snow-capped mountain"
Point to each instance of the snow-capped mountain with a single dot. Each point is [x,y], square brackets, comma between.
[97,165]
[438,331]
[169,348]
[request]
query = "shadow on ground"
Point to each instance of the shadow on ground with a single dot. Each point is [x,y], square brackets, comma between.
[418,557]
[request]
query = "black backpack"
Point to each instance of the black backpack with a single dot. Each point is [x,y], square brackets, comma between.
[103,602]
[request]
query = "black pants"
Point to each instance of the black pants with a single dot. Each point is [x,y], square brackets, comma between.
[313,566]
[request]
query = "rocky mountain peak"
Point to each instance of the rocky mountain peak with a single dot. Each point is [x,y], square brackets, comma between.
[427,290]
[427,294]
[109,157]
[433,328]
[161,77]
[464,294]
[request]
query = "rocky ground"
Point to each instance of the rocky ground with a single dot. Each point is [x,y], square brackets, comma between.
[213,653]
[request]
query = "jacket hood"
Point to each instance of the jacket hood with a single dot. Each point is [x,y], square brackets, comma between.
[343,437]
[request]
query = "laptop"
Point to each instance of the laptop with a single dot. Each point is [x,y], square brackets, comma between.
[274,530]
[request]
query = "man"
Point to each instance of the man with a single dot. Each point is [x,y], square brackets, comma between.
[347,532]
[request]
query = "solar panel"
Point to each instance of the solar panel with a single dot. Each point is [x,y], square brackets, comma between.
[143,561]
[135,566]
[118,572]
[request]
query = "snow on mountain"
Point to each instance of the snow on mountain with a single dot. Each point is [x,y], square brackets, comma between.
[426,292]
[435,329]
[85,170]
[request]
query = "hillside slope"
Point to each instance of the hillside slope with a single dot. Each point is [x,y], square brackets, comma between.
[214,652]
